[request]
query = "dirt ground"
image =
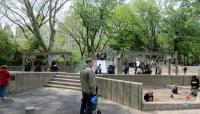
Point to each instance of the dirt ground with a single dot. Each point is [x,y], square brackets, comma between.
[163,95]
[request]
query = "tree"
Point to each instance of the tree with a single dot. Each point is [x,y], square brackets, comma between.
[7,49]
[31,15]
[182,27]
[93,17]
[150,15]
[73,27]
[126,31]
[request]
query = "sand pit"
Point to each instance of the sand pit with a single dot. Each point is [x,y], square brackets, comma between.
[163,95]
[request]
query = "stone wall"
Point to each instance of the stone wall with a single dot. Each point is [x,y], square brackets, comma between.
[155,81]
[152,106]
[24,81]
[124,92]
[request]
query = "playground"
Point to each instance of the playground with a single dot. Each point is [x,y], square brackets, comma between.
[165,95]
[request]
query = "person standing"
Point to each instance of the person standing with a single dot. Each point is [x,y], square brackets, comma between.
[137,63]
[88,85]
[194,86]
[98,69]
[185,70]
[194,82]
[126,68]
[4,80]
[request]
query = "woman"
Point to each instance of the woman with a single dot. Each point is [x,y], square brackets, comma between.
[194,86]
[194,82]
[4,80]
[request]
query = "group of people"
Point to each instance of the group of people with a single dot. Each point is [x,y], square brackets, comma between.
[143,68]
[110,70]
[194,83]
[38,67]
[101,56]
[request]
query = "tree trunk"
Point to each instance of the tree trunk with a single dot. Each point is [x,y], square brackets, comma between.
[34,24]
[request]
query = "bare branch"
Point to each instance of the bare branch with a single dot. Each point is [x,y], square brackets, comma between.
[41,9]
[61,5]
[33,3]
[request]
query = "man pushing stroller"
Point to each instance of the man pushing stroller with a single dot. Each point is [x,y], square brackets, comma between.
[88,84]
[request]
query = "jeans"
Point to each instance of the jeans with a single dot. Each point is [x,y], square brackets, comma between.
[2,91]
[86,105]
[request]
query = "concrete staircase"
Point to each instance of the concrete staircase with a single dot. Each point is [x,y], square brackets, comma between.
[65,81]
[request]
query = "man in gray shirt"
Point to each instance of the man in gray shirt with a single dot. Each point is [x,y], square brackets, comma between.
[88,85]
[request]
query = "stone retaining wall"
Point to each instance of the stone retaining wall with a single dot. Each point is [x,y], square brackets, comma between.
[158,81]
[155,81]
[124,92]
[24,81]
[169,106]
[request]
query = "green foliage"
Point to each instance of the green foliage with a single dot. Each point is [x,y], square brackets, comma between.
[182,28]
[9,52]
[142,25]
[135,27]
[93,17]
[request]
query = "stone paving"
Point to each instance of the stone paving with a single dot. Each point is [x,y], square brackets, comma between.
[56,101]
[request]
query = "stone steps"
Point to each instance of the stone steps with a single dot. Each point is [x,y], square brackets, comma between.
[65,81]
[67,77]
[63,87]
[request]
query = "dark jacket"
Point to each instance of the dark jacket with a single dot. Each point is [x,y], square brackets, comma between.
[4,77]
[111,69]
[148,98]
[194,82]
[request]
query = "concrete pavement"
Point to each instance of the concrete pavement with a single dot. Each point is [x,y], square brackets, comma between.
[56,101]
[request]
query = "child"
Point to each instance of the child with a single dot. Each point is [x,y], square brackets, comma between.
[175,89]
[148,97]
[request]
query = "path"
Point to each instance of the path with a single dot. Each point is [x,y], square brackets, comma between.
[56,101]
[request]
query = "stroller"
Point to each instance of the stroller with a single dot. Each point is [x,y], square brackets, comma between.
[94,101]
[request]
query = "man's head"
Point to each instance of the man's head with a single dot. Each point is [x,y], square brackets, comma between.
[89,62]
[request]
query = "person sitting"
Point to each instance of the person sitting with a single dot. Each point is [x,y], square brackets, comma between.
[147,69]
[148,97]
[98,69]
[38,68]
[175,89]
